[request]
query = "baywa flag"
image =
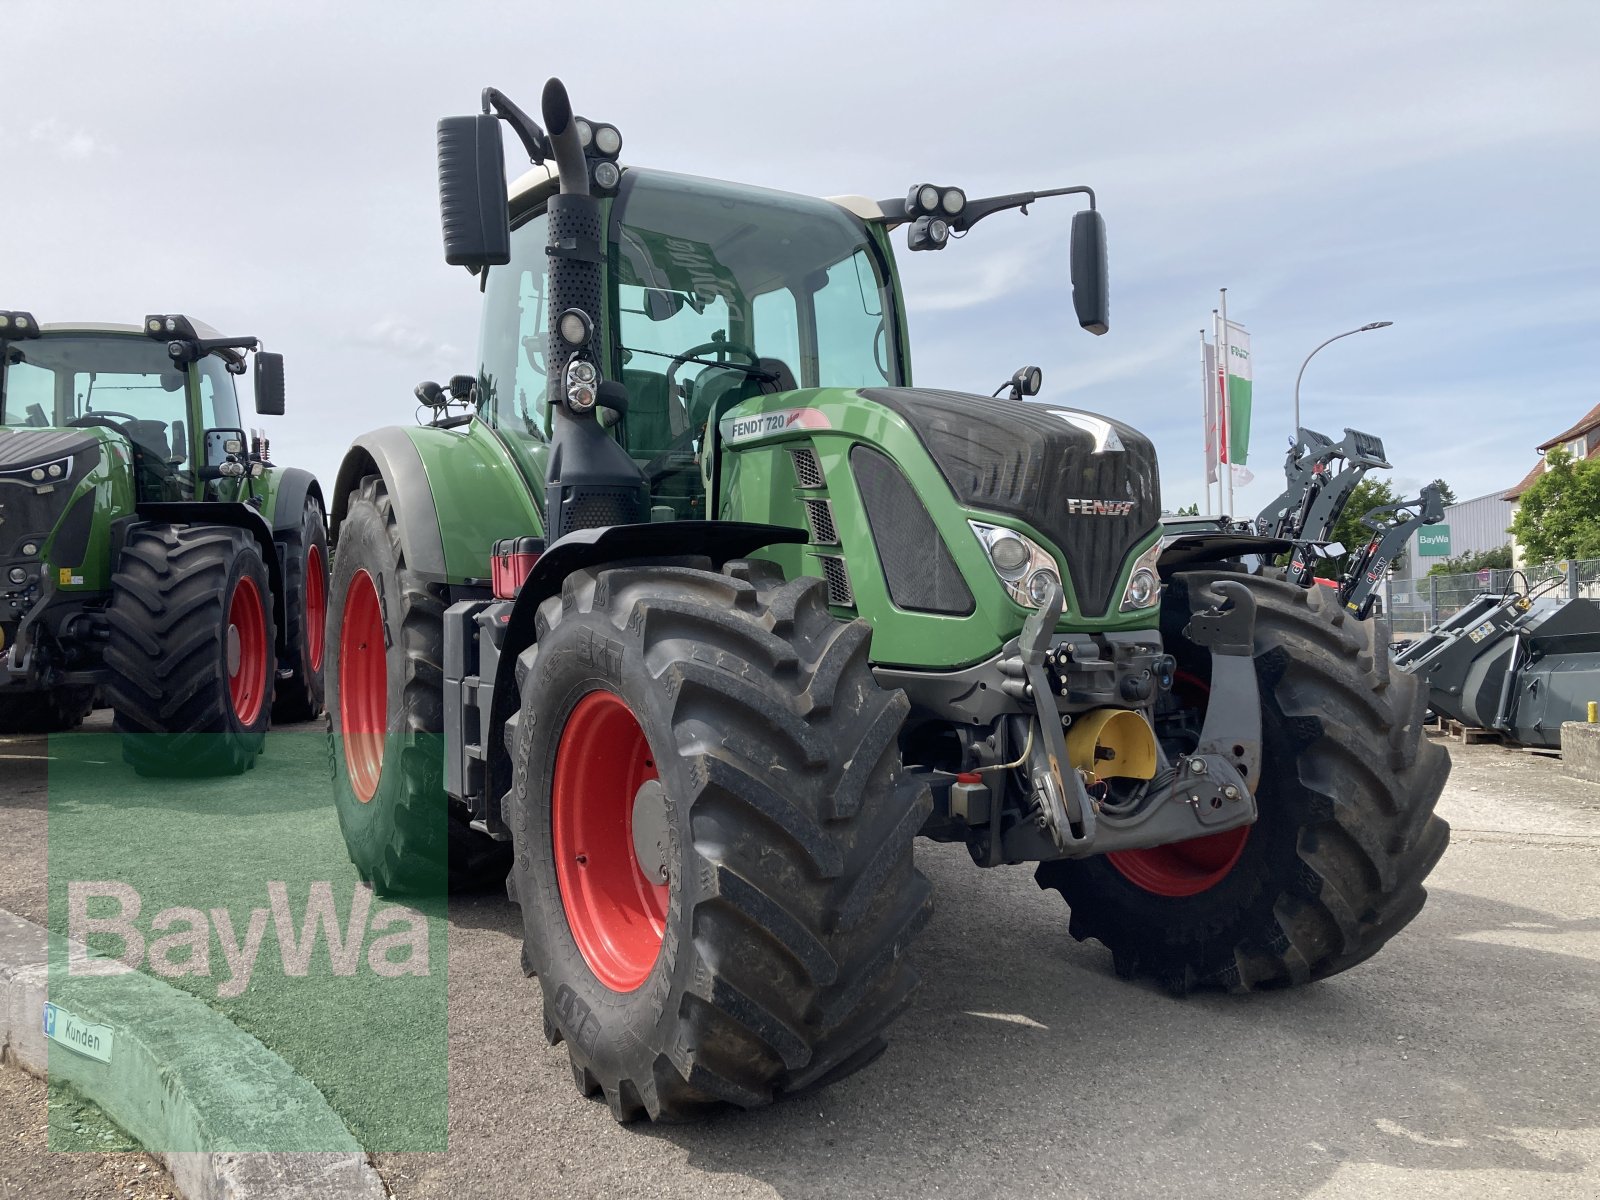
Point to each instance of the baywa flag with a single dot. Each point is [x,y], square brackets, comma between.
[1239,384]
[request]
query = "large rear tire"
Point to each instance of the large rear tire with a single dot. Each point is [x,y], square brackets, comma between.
[55,711]
[733,729]
[305,592]
[190,652]
[1334,865]
[384,669]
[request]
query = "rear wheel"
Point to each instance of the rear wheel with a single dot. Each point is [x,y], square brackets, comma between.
[54,711]
[384,668]
[713,839]
[305,591]
[190,652]
[1334,865]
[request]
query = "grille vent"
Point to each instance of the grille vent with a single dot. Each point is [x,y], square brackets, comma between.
[819,513]
[838,579]
[807,470]
[594,508]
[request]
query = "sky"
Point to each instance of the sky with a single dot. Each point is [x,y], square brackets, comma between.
[269,168]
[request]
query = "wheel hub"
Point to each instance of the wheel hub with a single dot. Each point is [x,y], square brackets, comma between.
[650,830]
[608,826]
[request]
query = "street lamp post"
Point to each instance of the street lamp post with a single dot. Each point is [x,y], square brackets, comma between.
[1313,354]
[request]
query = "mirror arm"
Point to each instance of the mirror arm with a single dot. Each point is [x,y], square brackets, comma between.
[533,139]
[977,210]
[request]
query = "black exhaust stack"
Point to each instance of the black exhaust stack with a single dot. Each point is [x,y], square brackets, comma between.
[590,481]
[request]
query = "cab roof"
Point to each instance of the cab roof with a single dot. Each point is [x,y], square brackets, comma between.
[543,176]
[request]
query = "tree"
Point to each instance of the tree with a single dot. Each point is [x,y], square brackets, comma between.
[1559,516]
[1192,511]
[1445,491]
[1498,559]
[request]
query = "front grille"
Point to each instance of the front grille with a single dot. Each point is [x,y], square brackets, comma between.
[807,470]
[1038,463]
[917,566]
[819,514]
[837,576]
[593,508]
[29,509]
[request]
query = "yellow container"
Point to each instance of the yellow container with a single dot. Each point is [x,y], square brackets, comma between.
[1112,743]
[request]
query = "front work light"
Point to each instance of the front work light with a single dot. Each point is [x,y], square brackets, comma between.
[574,327]
[18,325]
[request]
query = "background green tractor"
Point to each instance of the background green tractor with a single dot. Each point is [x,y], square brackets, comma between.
[692,608]
[149,548]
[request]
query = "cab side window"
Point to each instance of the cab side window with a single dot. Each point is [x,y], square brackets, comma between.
[511,371]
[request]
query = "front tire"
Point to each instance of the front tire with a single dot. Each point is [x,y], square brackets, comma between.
[305,591]
[729,731]
[57,711]
[1334,865]
[190,652]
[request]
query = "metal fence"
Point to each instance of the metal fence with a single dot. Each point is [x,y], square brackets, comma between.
[1416,605]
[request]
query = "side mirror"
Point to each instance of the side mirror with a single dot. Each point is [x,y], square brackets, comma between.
[472,193]
[1090,291]
[269,384]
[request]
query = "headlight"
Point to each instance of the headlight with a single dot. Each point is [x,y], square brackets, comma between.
[1026,568]
[1144,584]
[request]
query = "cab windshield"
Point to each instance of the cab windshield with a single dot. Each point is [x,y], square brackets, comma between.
[724,291]
[123,382]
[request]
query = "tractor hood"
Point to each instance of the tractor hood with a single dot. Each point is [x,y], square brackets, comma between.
[1088,483]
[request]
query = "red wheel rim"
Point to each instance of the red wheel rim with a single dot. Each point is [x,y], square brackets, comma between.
[616,913]
[1183,868]
[363,686]
[246,649]
[316,606]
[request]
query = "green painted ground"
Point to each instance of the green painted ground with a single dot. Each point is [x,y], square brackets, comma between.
[197,870]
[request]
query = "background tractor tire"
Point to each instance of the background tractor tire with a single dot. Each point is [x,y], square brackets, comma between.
[55,711]
[775,954]
[305,593]
[190,653]
[1334,865]
[384,670]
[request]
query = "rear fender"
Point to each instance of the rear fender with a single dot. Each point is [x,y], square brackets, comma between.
[456,491]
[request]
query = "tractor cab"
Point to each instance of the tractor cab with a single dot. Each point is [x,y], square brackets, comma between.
[717,293]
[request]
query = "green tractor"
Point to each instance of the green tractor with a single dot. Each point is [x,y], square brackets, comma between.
[694,611]
[150,551]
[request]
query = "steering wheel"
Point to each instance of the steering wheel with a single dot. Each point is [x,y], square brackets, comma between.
[89,420]
[674,395]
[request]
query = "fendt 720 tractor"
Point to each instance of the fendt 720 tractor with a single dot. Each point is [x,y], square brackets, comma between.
[695,605]
[149,549]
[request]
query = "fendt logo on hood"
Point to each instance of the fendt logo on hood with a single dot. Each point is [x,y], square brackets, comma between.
[1100,508]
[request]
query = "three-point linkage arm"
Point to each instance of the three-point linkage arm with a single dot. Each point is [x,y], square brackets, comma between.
[1392,526]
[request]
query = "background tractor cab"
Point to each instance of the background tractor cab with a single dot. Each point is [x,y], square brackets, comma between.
[120,445]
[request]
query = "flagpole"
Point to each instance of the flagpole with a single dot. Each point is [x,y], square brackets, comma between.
[1223,401]
[1222,412]
[1205,422]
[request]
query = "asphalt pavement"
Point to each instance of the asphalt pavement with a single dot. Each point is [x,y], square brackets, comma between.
[1461,1061]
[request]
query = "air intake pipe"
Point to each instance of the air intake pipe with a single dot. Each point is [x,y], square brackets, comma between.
[590,480]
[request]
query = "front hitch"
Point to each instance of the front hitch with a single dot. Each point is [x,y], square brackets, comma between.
[1204,792]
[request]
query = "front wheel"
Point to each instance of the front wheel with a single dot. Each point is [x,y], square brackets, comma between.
[55,711]
[305,603]
[1334,865]
[713,837]
[190,653]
